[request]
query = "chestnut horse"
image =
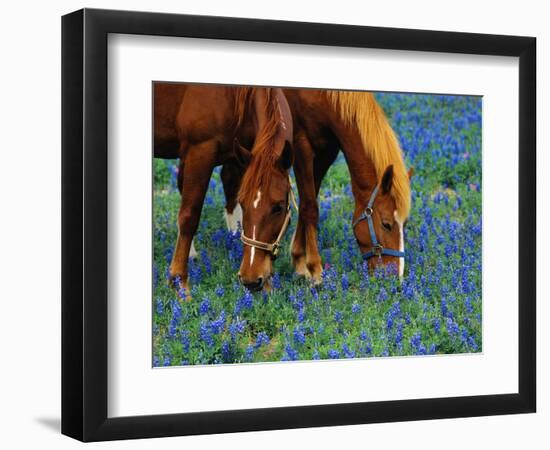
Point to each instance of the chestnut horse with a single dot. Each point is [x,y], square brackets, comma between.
[206,126]
[325,122]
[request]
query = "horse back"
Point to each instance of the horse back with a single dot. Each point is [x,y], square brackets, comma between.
[167,99]
[189,114]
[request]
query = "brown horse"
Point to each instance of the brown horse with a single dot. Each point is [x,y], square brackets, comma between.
[324,122]
[206,126]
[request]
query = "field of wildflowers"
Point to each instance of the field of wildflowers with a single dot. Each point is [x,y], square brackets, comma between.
[436,309]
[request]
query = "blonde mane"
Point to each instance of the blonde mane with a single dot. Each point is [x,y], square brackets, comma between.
[264,152]
[361,110]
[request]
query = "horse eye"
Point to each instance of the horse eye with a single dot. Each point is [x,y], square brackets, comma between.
[277,209]
[386,225]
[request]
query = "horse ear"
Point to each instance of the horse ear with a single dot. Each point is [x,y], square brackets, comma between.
[242,154]
[410,172]
[287,157]
[387,179]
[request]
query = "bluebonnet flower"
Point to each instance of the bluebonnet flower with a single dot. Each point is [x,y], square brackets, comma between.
[348,353]
[364,268]
[416,344]
[333,354]
[245,302]
[160,307]
[444,308]
[249,353]
[205,333]
[276,281]
[185,340]
[299,336]
[204,306]
[472,343]
[437,325]
[408,290]
[452,327]
[194,270]
[206,261]
[218,324]
[227,355]
[356,308]
[236,327]
[290,354]
[345,282]
[219,291]
[382,295]
[468,305]
[262,339]
[399,334]
[314,293]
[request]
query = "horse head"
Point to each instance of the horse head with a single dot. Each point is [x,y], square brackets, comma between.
[378,228]
[266,210]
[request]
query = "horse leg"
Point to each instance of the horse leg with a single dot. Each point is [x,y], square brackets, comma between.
[298,241]
[192,252]
[305,239]
[199,163]
[231,175]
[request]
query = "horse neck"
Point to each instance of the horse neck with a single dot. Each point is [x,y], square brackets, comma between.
[259,108]
[361,168]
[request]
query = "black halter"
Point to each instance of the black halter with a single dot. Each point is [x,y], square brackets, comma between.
[377,249]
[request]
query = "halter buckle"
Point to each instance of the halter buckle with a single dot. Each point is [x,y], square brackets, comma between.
[368,211]
[377,250]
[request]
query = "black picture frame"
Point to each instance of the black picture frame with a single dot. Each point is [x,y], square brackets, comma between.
[84,224]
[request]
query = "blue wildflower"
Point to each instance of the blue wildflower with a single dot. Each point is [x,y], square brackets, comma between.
[262,339]
[299,336]
[204,306]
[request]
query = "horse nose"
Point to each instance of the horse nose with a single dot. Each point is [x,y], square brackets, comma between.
[254,285]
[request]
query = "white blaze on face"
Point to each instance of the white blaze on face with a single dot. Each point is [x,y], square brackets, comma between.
[401,269]
[253,249]
[257,200]
[233,219]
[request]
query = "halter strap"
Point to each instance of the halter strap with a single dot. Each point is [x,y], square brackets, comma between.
[274,247]
[377,249]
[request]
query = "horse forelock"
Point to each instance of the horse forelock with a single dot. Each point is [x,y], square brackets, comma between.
[265,152]
[360,110]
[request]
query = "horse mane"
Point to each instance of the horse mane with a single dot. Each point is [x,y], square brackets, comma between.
[264,152]
[361,110]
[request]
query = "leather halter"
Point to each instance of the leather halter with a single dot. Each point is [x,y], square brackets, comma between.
[377,249]
[275,246]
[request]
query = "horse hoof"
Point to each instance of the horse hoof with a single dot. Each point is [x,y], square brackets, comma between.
[316,280]
[300,268]
[182,288]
